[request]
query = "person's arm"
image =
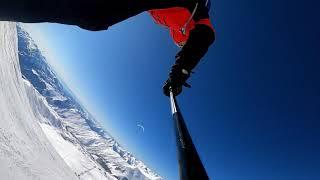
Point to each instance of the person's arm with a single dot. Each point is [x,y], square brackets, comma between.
[201,37]
[199,40]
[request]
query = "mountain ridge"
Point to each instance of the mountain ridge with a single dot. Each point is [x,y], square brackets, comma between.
[25,152]
[63,113]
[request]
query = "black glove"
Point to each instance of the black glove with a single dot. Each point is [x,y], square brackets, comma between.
[177,79]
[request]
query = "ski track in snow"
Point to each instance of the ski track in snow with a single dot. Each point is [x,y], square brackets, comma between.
[25,152]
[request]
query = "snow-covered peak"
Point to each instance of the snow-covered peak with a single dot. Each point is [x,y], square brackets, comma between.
[77,136]
[25,152]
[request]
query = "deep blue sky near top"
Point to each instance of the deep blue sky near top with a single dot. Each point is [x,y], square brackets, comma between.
[253,110]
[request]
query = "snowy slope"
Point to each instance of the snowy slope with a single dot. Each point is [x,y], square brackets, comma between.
[25,152]
[77,136]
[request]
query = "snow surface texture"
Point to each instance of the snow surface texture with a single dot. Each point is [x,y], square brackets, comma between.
[79,139]
[25,152]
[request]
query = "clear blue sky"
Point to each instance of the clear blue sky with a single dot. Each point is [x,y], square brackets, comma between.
[253,111]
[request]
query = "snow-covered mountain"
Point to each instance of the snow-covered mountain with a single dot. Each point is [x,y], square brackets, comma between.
[80,140]
[25,152]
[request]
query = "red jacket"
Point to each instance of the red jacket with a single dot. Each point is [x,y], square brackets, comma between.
[178,20]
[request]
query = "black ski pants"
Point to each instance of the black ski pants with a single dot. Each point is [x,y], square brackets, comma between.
[88,14]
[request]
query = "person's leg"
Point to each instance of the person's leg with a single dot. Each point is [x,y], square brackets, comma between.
[27,10]
[88,14]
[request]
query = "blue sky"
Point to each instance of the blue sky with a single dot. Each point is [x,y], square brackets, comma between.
[253,111]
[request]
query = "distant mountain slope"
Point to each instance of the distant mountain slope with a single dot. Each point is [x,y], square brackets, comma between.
[83,143]
[25,152]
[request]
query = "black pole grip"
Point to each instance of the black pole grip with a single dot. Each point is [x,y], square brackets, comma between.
[190,165]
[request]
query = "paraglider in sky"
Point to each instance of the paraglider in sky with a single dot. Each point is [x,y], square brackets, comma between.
[141,126]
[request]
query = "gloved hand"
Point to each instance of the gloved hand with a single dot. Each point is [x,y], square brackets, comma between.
[177,79]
